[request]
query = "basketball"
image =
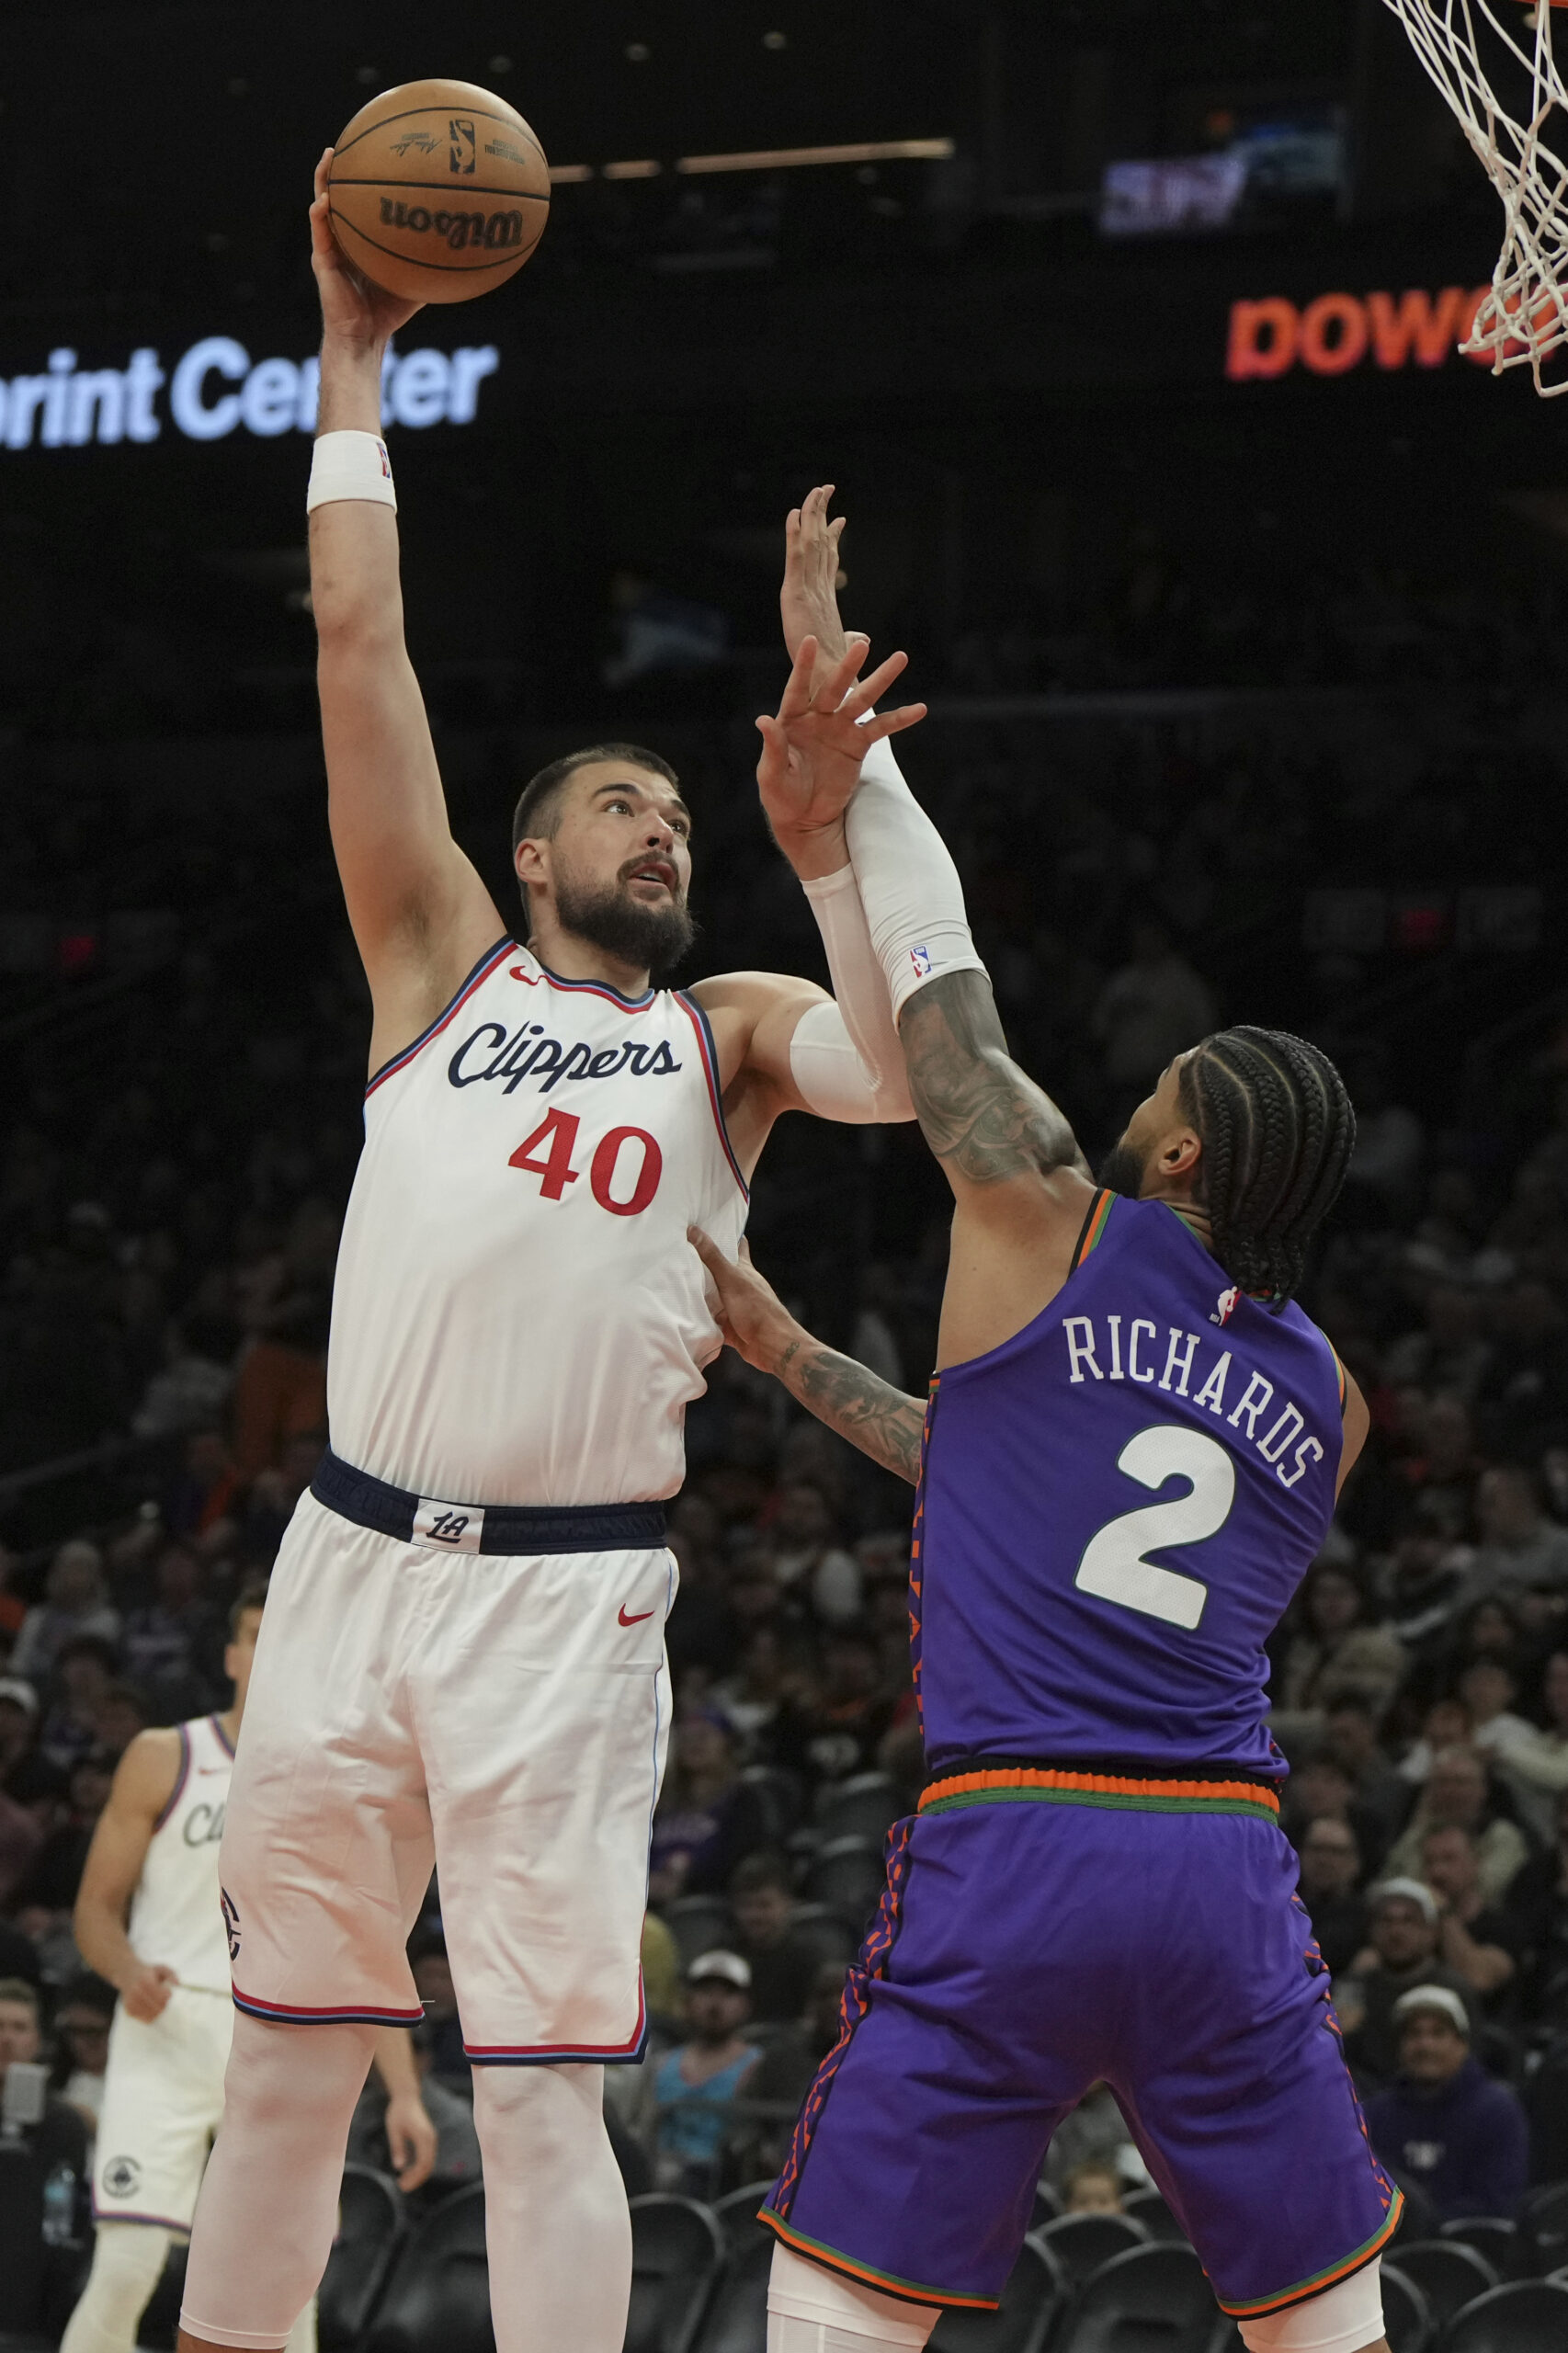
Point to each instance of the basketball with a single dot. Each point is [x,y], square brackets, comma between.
[438,191]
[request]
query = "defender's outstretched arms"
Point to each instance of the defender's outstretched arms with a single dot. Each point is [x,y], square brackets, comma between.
[421,915]
[871,1412]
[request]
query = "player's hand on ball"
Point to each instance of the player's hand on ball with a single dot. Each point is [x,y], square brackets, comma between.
[813,749]
[808,600]
[146,1993]
[411,2140]
[350,306]
[750,1313]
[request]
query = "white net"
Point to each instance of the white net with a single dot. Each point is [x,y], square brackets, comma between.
[1468,47]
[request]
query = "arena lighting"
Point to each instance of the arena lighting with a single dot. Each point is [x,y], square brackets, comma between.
[770,159]
[215,389]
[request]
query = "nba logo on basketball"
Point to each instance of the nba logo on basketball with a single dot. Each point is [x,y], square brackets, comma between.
[461,132]
[1225,1305]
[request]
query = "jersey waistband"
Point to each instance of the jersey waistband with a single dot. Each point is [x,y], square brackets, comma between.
[1118,1783]
[447,1526]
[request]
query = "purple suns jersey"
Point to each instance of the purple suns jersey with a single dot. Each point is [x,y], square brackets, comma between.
[1116,1507]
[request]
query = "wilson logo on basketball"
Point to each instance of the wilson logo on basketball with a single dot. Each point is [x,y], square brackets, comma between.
[498,232]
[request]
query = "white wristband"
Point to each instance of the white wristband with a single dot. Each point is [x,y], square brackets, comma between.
[350,465]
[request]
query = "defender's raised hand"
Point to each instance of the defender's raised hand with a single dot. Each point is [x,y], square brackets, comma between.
[813,746]
[807,599]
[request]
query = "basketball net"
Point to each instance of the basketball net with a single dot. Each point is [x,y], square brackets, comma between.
[1523,319]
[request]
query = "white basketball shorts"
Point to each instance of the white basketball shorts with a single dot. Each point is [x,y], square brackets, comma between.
[502,1718]
[162,2102]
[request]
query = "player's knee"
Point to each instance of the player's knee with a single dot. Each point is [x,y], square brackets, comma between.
[1348,2318]
[127,2260]
[276,2073]
[560,2109]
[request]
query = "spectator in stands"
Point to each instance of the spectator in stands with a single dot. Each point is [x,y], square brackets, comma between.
[84,1675]
[1476,1939]
[1379,1797]
[280,1388]
[59,2137]
[659,1958]
[75,1601]
[1331,1865]
[699,2079]
[20,1833]
[1534,1761]
[1150,1009]
[1446,2123]
[1537,1904]
[1520,1550]
[1336,1647]
[1401,1953]
[162,1641]
[839,1732]
[785,2069]
[81,2021]
[1450,1351]
[1093,2188]
[707,1816]
[1458,1792]
[1524,1397]
[782,1966]
[806,1556]
[1425,1582]
[50,1886]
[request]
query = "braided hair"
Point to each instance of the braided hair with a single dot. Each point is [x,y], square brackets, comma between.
[1278,1130]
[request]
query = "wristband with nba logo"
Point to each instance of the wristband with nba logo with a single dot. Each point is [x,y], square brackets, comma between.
[350,465]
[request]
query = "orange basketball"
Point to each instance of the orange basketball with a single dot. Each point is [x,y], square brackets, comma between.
[438,191]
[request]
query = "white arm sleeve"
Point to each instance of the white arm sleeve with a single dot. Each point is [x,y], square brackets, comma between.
[864,1027]
[908,883]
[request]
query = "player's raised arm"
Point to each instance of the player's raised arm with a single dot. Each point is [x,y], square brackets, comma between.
[420,914]
[144,1783]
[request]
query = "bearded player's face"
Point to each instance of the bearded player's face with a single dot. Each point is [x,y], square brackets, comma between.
[619,863]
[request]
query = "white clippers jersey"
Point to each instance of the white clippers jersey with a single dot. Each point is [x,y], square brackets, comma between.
[519,1318]
[175,1913]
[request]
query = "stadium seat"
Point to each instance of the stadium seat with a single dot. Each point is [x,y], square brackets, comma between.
[1081,2243]
[847,1874]
[781,1799]
[21,2240]
[369,2230]
[863,1807]
[1148,2207]
[677,2252]
[737,2319]
[700,1924]
[828,1935]
[1540,2243]
[1146,2295]
[1046,2206]
[1030,2300]
[1489,2234]
[1449,2274]
[735,2214]
[1407,2316]
[437,2297]
[1523,2317]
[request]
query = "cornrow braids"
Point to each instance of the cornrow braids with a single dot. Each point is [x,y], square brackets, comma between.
[1278,1130]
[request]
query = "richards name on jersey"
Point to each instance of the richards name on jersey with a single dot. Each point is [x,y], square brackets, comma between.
[1099,1349]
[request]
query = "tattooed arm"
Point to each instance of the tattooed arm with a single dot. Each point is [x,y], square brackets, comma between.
[871,1414]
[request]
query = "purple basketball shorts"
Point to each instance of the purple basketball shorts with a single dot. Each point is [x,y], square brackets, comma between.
[1024,1951]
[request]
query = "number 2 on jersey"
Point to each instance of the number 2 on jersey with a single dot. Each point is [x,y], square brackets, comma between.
[1115,1567]
[557,1134]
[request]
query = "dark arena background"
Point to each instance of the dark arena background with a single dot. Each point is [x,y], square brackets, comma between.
[1127,331]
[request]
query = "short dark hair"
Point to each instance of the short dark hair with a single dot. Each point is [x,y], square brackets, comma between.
[758,1871]
[538,811]
[17,1990]
[1277,1132]
[252,1594]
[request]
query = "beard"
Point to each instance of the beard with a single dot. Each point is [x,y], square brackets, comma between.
[653,939]
[1122,1170]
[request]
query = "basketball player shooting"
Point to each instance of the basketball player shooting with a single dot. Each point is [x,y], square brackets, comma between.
[463,1657]
[1129,1456]
[148,1919]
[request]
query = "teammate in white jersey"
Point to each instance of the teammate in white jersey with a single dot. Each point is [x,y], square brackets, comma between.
[148,1919]
[463,1660]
